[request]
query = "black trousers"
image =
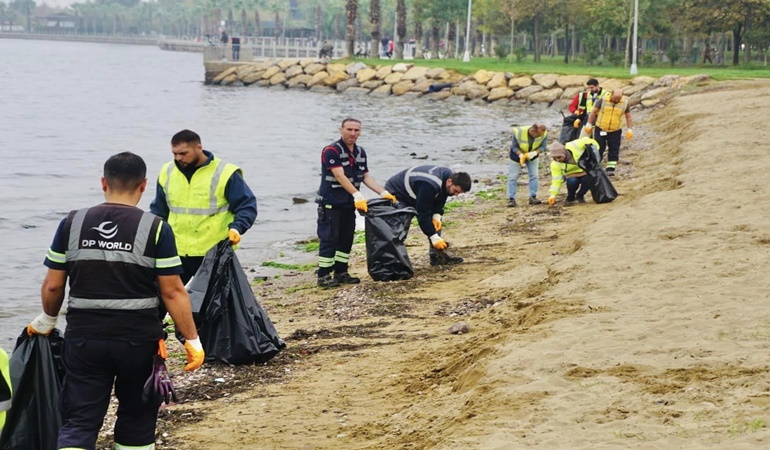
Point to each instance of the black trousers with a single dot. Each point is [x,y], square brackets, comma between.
[93,366]
[336,227]
[612,141]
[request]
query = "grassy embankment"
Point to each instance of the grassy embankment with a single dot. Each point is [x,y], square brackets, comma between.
[557,65]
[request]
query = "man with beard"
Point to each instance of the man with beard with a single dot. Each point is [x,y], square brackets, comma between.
[203,198]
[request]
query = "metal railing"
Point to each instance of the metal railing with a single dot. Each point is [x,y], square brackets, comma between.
[264,47]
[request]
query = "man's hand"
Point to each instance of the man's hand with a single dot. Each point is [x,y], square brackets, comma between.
[387,195]
[576,123]
[195,354]
[234,236]
[360,202]
[162,352]
[522,158]
[436,221]
[43,324]
[437,242]
[552,200]
[629,134]
[533,154]
[588,129]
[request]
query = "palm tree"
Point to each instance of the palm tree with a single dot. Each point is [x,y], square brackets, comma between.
[351,11]
[400,28]
[374,20]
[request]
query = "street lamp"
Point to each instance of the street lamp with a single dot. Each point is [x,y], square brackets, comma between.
[466,54]
[633,45]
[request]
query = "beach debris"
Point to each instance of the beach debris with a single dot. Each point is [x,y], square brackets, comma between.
[459,328]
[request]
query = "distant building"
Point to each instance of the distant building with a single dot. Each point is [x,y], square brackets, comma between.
[57,23]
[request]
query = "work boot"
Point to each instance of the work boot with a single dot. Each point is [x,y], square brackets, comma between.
[610,171]
[442,258]
[580,199]
[327,281]
[570,202]
[534,201]
[511,202]
[345,278]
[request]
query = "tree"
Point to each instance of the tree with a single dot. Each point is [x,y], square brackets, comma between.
[375,13]
[351,11]
[400,28]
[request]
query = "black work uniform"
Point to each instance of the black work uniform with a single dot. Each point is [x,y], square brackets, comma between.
[336,210]
[112,255]
[424,189]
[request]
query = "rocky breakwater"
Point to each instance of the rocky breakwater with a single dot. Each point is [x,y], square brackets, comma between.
[409,80]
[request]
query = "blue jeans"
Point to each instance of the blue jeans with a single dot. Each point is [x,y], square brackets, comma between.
[576,187]
[514,170]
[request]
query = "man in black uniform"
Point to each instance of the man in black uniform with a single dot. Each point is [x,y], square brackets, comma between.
[426,188]
[114,254]
[343,169]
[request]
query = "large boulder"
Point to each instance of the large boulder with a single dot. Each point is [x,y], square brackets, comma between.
[353,68]
[422,85]
[498,93]
[477,92]
[346,83]
[402,67]
[436,72]
[666,80]
[498,80]
[230,79]
[519,82]
[415,73]
[335,77]
[300,81]
[394,77]
[272,70]
[657,95]
[372,84]
[482,76]
[365,75]
[546,96]
[382,91]
[335,67]
[634,88]
[293,71]
[314,68]
[304,62]
[524,93]
[402,87]
[286,63]
[643,80]
[611,84]
[570,92]
[252,77]
[547,80]
[568,81]
[244,70]
[383,72]
[318,78]
[694,80]
[435,96]
[222,75]
[278,78]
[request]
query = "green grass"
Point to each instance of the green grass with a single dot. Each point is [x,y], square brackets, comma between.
[746,427]
[360,237]
[285,266]
[301,287]
[309,247]
[556,65]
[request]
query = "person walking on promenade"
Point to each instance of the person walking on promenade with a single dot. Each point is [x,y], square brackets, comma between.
[426,189]
[583,102]
[343,168]
[607,115]
[117,259]
[204,199]
[527,145]
[564,168]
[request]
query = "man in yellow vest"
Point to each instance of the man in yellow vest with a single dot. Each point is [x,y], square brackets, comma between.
[583,102]
[527,145]
[5,387]
[607,117]
[564,168]
[203,198]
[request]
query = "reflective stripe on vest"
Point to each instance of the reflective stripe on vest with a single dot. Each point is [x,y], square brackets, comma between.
[136,256]
[114,303]
[198,209]
[587,99]
[345,162]
[5,384]
[611,114]
[411,173]
[522,138]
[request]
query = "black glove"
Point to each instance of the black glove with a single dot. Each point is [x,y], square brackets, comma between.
[159,388]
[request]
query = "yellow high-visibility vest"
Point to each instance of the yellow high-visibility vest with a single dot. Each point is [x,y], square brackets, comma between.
[610,116]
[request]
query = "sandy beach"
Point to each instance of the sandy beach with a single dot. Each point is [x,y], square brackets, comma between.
[641,324]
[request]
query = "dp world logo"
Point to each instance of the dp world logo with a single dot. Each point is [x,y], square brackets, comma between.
[104,231]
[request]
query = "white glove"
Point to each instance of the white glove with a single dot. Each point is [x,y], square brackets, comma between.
[532,155]
[437,242]
[43,324]
[359,201]
[388,196]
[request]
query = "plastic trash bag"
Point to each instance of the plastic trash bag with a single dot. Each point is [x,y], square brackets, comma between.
[233,327]
[386,230]
[37,373]
[568,130]
[602,190]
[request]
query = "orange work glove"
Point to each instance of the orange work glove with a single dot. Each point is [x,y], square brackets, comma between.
[438,243]
[234,236]
[43,324]
[162,352]
[588,129]
[195,354]
[576,123]
[437,221]
[359,201]
[389,196]
[552,200]
[629,134]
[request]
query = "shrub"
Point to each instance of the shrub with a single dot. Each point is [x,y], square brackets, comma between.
[501,51]
[615,58]
[649,59]
[673,54]
[520,54]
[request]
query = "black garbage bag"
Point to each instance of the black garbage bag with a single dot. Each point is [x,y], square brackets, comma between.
[386,230]
[602,190]
[568,130]
[37,373]
[232,325]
